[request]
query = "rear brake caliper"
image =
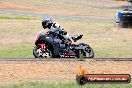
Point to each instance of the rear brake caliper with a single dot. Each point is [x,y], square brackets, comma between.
[42,47]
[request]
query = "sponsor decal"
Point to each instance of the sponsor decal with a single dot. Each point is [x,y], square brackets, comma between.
[83,78]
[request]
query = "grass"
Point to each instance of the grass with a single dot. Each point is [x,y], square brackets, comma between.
[17,51]
[17,16]
[81,8]
[104,38]
[65,85]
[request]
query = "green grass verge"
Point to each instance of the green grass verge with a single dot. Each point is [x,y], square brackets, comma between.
[65,85]
[25,51]
[17,16]
[17,51]
[102,37]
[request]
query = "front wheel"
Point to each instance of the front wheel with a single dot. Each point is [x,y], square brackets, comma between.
[89,52]
[37,52]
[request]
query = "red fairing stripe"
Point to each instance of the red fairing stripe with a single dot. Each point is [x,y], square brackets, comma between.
[42,46]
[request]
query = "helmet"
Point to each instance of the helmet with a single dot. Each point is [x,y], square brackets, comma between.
[47,23]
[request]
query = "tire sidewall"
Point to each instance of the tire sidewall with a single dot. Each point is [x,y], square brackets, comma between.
[37,56]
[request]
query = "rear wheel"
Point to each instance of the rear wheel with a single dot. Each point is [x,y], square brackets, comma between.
[37,52]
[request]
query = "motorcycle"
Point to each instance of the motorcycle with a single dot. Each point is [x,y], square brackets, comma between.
[54,45]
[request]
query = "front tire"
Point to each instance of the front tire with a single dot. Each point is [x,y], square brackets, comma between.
[89,51]
[39,54]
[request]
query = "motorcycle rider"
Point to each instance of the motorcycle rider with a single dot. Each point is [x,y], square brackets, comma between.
[61,49]
[52,27]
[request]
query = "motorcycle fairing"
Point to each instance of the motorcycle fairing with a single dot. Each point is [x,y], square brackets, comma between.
[51,44]
[80,47]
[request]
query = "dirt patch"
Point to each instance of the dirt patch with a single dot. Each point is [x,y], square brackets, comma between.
[81,8]
[57,71]
[8,5]
[23,7]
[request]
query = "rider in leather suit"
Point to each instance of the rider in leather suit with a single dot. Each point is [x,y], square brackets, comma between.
[47,23]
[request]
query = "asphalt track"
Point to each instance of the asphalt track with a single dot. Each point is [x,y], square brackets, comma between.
[7,11]
[65,59]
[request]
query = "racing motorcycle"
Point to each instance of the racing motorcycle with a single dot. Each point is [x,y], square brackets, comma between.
[54,45]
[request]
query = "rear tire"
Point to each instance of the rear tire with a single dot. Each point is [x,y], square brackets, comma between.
[39,54]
